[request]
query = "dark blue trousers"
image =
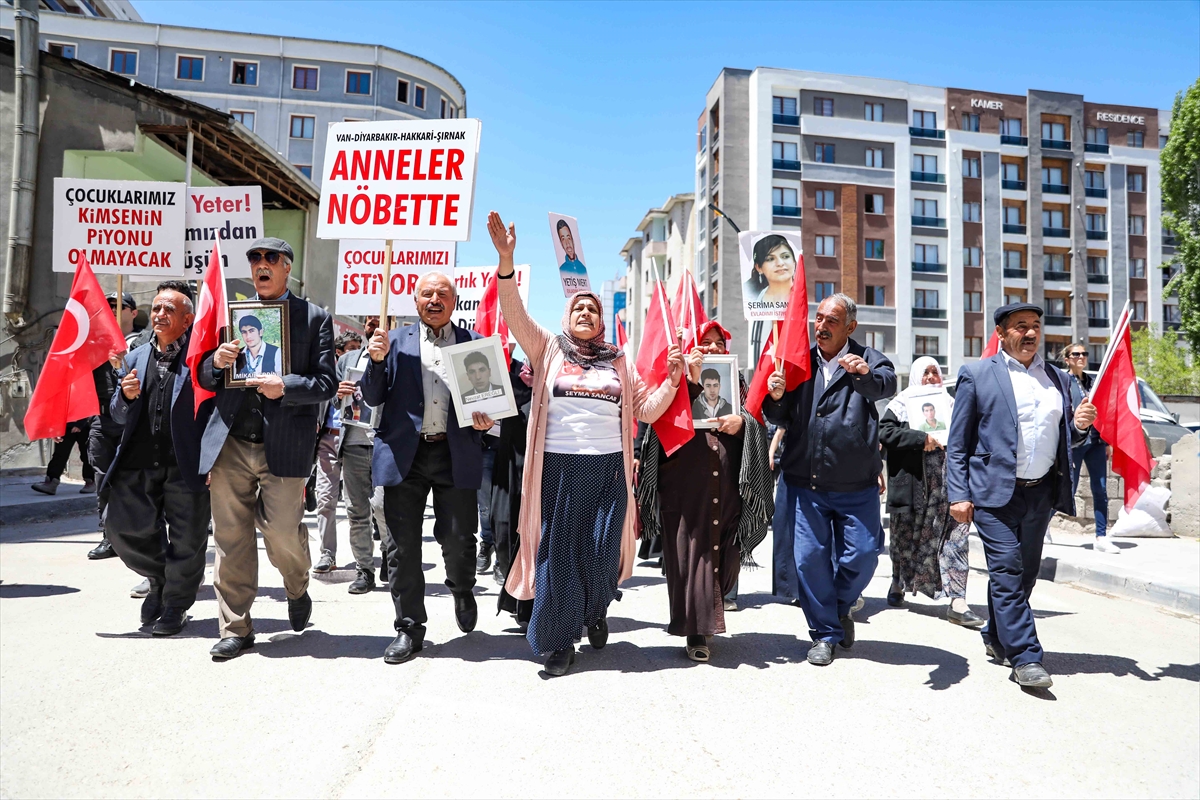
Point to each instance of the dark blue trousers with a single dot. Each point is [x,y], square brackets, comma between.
[839,536]
[1012,541]
[783,556]
[1094,453]
[483,497]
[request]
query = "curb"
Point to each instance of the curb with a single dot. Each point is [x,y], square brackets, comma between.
[58,508]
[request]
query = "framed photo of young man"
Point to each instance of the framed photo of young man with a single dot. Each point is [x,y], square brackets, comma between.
[260,327]
[352,410]
[930,413]
[720,391]
[478,380]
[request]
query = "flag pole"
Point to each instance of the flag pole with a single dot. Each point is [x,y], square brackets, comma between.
[775,339]
[387,285]
[120,300]
[1117,333]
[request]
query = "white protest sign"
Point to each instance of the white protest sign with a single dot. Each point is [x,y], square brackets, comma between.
[768,261]
[130,228]
[399,179]
[568,254]
[232,214]
[470,282]
[360,274]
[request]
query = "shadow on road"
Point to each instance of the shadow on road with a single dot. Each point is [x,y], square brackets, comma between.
[200,629]
[10,591]
[948,668]
[1117,666]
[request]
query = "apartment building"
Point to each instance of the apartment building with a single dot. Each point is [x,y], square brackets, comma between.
[933,206]
[285,89]
[664,250]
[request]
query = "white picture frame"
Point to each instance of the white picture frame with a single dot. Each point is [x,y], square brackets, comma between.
[477,376]
[765,289]
[935,404]
[351,407]
[728,391]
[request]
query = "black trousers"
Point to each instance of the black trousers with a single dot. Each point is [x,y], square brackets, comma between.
[62,451]
[138,500]
[456,518]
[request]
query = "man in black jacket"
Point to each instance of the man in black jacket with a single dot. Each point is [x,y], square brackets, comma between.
[831,463]
[258,450]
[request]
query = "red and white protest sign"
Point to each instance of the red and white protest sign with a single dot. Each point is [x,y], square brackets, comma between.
[360,274]
[399,179]
[471,281]
[233,214]
[130,228]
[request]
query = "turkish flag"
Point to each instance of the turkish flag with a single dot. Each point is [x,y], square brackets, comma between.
[793,346]
[1118,421]
[993,346]
[674,427]
[689,311]
[757,392]
[65,391]
[488,319]
[622,335]
[212,314]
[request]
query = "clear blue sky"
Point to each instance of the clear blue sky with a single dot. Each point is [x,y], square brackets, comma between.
[590,109]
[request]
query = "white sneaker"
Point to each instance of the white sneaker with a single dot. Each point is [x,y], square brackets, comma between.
[1103,545]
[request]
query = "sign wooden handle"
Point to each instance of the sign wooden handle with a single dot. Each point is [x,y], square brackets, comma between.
[387,284]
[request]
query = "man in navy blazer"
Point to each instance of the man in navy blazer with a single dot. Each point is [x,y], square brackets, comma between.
[831,465]
[1008,469]
[419,447]
[155,472]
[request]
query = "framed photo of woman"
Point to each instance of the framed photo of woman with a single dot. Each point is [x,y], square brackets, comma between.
[260,327]
[720,391]
[478,380]
[768,267]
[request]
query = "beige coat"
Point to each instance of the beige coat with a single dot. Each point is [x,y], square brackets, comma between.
[637,401]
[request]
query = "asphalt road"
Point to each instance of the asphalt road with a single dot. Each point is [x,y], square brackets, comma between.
[91,705]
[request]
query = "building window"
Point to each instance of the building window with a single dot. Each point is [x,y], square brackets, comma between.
[304,78]
[358,82]
[1138,310]
[926,254]
[305,169]
[1171,314]
[1053,176]
[971,212]
[419,96]
[874,204]
[1057,307]
[873,248]
[926,345]
[61,49]
[302,127]
[973,346]
[783,105]
[970,167]
[823,153]
[971,256]
[1012,215]
[401,91]
[875,295]
[875,157]
[874,340]
[1162,141]
[822,288]
[1097,265]
[823,106]
[1136,138]
[784,151]
[784,198]
[973,301]
[1054,131]
[1137,225]
[1137,267]
[444,107]
[1098,309]
[1096,135]
[873,112]
[1052,219]
[245,73]
[123,62]
[1093,179]
[1010,172]
[926,164]
[824,246]
[1054,262]
[925,119]
[189,68]
[1013,259]
[1010,127]
[925,208]
[1016,297]
[1097,223]
[824,200]
[970,122]
[1135,182]
[244,117]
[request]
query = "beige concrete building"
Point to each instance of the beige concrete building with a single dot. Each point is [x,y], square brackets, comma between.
[665,247]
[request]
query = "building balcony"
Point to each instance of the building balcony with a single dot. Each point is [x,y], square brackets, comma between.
[926,266]
[929,177]
[1054,319]
[1101,235]
[1008,227]
[1055,144]
[1051,275]
[785,164]
[1092,147]
[716,138]
[929,313]
[1019,141]
[929,222]
[1097,322]
[1016,186]
[785,211]
[1092,191]
[716,178]
[1097,277]
[927,133]
[786,119]
[1060,233]
[1019,274]
[1056,188]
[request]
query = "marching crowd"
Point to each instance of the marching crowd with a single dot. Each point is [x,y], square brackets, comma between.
[561,493]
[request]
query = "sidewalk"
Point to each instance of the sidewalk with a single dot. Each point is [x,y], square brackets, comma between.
[20,504]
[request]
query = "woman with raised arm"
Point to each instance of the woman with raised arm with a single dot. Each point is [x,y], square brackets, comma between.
[577,523]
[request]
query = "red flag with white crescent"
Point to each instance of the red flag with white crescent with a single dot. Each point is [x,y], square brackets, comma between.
[65,391]
[212,314]
[674,427]
[1118,419]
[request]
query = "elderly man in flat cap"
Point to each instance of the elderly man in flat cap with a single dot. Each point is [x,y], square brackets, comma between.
[1009,469]
[259,449]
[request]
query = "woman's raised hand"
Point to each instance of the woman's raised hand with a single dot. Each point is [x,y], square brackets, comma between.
[674,364]
[505,241]
[695,362]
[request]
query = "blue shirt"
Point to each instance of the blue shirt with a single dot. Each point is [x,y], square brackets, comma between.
[573,266]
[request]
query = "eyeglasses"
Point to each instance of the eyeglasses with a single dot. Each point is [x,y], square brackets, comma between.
[271,258]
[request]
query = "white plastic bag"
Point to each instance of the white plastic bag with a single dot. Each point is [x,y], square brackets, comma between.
[1148,518]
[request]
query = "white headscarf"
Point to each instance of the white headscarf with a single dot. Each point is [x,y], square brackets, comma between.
[898,405]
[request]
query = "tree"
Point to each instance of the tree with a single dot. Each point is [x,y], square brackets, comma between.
[1162,363]
[1180,161]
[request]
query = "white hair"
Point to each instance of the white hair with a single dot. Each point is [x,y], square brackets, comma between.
[848,304]
[436,274]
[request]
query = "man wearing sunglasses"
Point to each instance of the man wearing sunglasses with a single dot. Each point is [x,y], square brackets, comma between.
[258,450]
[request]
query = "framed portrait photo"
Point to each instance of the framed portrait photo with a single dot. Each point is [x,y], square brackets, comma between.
[768,261]
[478,380]
[352,411]
[261,327]
[568,254]
[930,413]
[720,391]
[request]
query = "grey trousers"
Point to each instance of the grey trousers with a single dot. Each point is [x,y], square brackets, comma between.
[363,502]
[329,477]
